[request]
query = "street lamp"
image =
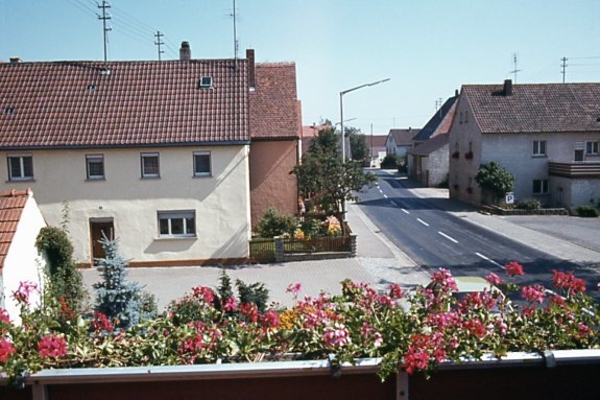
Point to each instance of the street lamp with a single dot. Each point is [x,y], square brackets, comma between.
[342,93]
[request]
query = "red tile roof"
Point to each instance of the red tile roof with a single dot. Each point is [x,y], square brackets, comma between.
[430,145]
[131,103]
[403,137]
[274,111]
[567,107]
[11,208]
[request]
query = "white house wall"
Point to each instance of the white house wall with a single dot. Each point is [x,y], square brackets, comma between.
[221,201]
[23,262]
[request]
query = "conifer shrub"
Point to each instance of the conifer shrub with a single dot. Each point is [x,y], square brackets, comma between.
[587,211]
[273,223]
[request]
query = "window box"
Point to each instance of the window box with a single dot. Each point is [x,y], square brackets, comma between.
[456,154]
[455,186]
[469,155]
[469,190]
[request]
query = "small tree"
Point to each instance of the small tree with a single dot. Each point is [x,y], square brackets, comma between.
[65,281]
[116,298]
[358,145]
[495,180]
[274,223]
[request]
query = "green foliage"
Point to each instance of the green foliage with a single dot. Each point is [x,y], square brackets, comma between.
[529,204]
[273,223]
[390,161]
[121,301]
[587,211]
[359,148]
[65,280]
[254,293]
[326,180]
[495,180]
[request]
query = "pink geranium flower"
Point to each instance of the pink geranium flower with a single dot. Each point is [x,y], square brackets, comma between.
[513,268]
[52,346]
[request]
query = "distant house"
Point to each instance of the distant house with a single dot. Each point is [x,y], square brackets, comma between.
[428,160]
[154,153]
[399,141]
[377,149]
[275,131]
[546,135]
[20,223]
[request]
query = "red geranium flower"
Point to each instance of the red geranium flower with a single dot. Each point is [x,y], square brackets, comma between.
[52,346]
[514,268]
[6,350]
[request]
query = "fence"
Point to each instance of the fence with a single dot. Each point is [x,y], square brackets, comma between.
[286,249]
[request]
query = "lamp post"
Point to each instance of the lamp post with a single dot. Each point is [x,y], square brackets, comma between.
[342,93]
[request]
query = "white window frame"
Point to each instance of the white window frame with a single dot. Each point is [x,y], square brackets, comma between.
[22,176]
[202,154]
[94,159]
[146,174]
[544,186]
[540,148]
[167,219]
[592,147]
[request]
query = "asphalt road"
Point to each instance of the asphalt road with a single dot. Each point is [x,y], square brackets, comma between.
[435,238]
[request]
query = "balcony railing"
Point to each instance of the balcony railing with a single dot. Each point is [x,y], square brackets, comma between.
[575,169]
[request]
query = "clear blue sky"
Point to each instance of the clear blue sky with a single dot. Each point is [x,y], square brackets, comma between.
[428,48]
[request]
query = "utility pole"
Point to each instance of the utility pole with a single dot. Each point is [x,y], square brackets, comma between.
[235,42]
[564,67]
[105,17]
[159,43]
[514,71]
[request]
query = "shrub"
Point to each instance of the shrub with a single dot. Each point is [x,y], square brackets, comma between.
[65,281]
[391,161]
[121,301]
[274,223]
[587,211]
[529,204]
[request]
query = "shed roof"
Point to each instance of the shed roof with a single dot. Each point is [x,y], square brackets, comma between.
[11,208]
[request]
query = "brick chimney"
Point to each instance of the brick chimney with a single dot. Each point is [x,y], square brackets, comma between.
[508,87]
[251,68]
[185,53]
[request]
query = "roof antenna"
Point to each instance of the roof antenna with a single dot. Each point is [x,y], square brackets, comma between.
[159,43]
[105,17]
[514,71]
[235,41]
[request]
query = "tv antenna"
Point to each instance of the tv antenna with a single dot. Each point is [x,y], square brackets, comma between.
[159,43]
[516,70]
[235,41]
[564,66]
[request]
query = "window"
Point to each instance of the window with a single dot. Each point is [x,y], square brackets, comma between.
[150,165]
[177,223]
[540,186]
[95,166]
[591,148]
[202,163]
[539,147]
[20,168]
[206,82]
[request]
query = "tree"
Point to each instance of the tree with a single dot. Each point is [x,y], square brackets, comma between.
[325,179]
[65,281]
[358,145]
[116,298]
[495,180]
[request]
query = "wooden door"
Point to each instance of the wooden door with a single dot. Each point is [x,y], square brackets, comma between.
[99,230]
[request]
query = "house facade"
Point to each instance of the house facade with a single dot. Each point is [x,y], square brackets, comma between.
[546,135]
[20,262]
[377,149]
[399,141]
[155,154]
[275,131]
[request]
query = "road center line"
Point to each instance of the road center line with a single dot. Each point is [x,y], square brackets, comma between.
[393,203]
[423,222]
[448,237]
[404,211]
[490,260]
[385,196]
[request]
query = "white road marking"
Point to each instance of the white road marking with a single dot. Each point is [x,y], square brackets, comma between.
[490,260]
[394,204]
[448,237]
[403,210]
[423,222]
[385,196]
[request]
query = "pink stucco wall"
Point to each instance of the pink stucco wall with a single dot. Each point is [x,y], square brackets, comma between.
[271,183]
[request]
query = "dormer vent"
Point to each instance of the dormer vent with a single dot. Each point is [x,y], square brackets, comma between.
[206,82]
[92,88]
[9,111]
